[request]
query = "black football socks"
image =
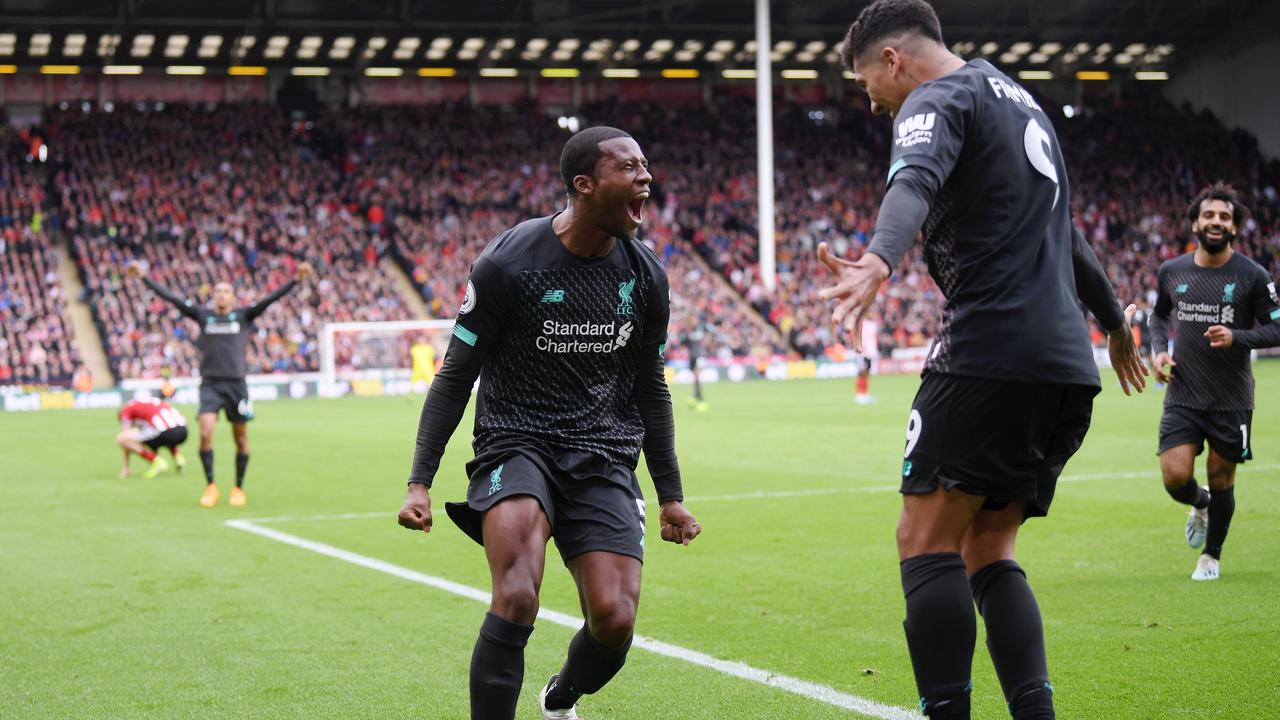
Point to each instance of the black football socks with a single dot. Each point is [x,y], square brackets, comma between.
[497,668]
[1191,494]
[588,668]
[941,632]
[1222,505]
[206,459]
[242,462]
[1015,638]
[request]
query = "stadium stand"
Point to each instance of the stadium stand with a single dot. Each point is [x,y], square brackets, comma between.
[239,192]
[36,340]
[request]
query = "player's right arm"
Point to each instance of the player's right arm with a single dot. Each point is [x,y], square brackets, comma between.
[919,165]
[478,330]
[186,306]
[1161,359]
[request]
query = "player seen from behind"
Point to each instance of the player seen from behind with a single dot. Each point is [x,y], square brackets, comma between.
[1008,385]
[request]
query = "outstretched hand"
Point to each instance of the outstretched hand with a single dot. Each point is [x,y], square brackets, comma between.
[1124,355]
[678,524]
[135,270]
[855,288]
[415,514]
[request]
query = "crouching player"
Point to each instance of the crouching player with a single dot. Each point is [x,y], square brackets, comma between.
[148,425]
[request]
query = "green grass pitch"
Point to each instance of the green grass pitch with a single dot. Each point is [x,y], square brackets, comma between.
[124,599]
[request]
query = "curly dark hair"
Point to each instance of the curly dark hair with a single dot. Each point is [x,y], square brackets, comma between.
[1219,191]
[888,17]
[582,152]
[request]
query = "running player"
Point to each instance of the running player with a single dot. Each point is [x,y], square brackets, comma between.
[1218,295]
[224,338]
[564,321]
[1008,385]
[148,425]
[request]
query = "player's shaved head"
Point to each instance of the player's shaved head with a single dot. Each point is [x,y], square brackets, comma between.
[582,152]
[890,19]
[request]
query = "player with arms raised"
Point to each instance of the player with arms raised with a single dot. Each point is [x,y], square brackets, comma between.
[1008,386]
[564,322]
[1217,295]
[223,341]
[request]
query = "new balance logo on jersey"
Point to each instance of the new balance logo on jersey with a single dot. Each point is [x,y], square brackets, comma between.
[1228,291]
[1271,289]
[624,334]
[916,130]
[1228,315]
[553,296]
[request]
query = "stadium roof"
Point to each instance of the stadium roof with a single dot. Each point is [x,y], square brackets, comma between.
[1028,34]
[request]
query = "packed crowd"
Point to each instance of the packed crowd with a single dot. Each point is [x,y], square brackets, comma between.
[1135,164]
[237,194]
[243,194]
[37,345]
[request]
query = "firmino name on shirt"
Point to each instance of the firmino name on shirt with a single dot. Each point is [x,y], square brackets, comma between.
[1011,91]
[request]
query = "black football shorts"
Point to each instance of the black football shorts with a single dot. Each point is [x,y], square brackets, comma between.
[171,438]
[228,395]
[591,503]
[1003,440]
[1229,432]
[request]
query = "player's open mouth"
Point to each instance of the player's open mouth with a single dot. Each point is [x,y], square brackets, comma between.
[636,206]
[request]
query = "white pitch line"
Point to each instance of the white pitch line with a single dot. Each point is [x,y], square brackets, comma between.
[795,686]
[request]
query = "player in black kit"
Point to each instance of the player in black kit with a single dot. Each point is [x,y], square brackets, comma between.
[1008,385]
[223,340]
[1216,296]
[564,321]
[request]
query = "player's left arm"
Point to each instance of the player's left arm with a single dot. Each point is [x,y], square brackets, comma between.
[1266,310]
[653,399]
[303,272]
[1094,289]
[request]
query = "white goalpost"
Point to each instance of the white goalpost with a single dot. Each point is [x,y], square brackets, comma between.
[381,350]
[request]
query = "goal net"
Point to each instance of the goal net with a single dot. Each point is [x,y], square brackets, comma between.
[409,350]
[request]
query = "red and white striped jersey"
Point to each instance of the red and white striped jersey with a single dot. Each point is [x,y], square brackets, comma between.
[157,414]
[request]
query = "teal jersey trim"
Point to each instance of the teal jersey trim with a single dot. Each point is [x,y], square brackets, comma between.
[465,335]
[894,170]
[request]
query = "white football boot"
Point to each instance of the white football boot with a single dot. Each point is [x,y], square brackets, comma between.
[1197,527]
[1206,568]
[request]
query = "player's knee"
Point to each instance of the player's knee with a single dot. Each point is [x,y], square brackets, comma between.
[1221,480]
[613,621]
[516,601]
[1174,477]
